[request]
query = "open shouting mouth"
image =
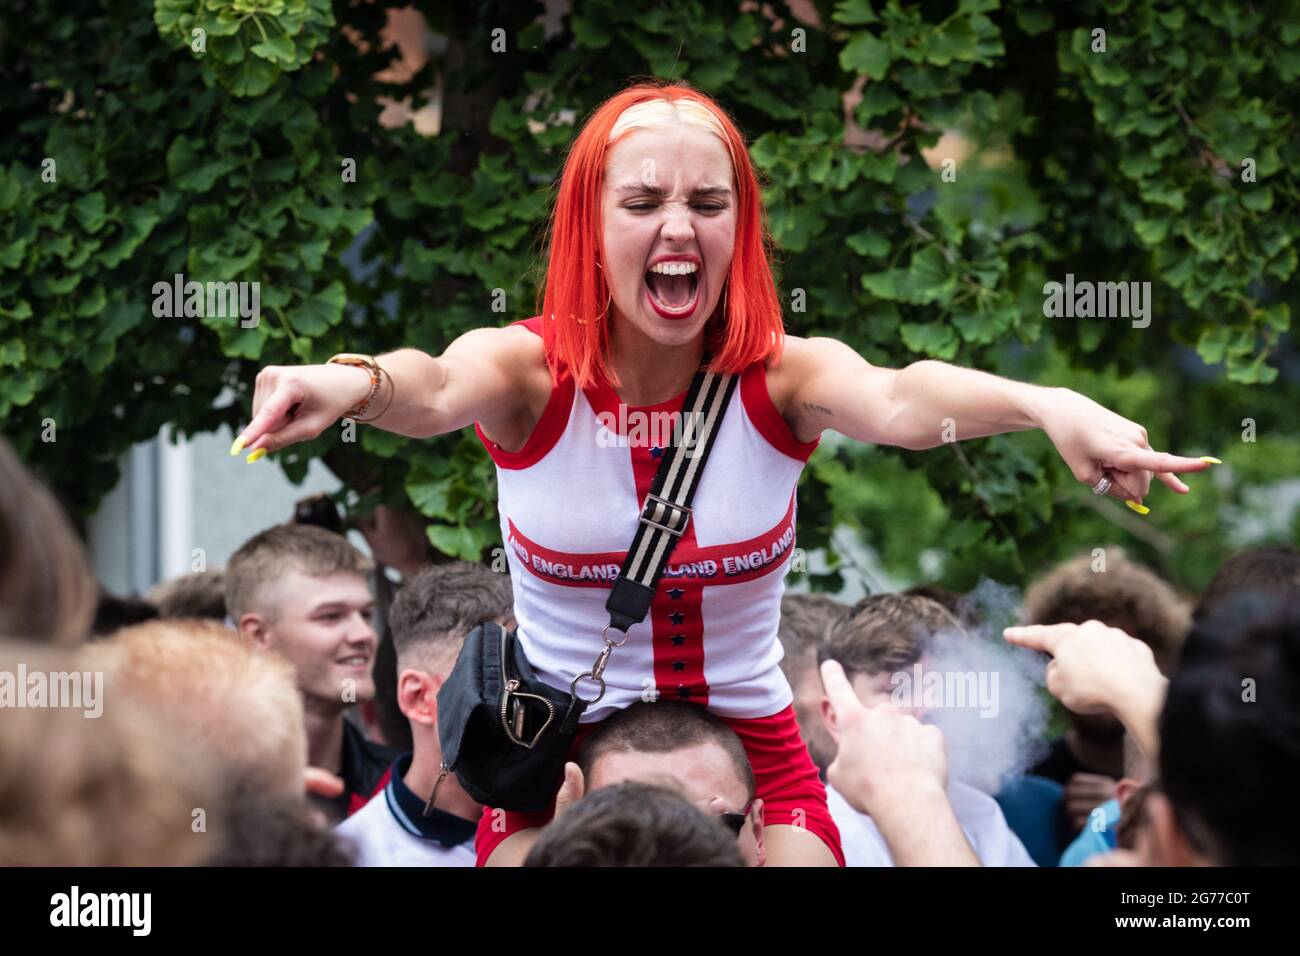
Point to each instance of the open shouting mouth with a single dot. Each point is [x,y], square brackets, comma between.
[673,286]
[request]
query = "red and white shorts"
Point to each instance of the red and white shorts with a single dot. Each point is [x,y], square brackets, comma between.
[786,779]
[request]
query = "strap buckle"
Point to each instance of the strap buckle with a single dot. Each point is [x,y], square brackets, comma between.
[677,527]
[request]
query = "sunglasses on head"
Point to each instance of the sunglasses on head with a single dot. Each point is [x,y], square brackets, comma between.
[735,822]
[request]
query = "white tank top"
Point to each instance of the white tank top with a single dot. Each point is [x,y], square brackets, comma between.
[569,502]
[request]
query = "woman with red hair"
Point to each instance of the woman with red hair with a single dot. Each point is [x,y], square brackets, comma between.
[658,262]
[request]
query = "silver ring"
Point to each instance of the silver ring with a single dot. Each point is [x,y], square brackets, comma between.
[1102,486]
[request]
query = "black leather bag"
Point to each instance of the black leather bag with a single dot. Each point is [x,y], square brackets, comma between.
[506,734]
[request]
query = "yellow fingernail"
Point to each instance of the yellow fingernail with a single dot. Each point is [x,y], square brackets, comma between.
[256,456]
[1212,461]
[237,445]
[1140,509]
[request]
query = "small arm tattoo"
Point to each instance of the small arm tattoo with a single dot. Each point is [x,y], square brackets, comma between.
[811,406]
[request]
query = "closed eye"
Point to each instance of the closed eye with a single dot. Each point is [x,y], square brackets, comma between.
[701,207]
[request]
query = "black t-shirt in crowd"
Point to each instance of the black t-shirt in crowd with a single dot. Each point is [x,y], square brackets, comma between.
[364,771]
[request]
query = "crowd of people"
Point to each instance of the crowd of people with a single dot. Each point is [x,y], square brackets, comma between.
[235,718]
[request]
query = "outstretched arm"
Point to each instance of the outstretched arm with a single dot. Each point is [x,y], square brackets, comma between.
[475,379]
[929,403]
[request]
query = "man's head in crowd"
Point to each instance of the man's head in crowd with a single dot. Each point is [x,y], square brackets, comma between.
[1124,595]
[215,692]
[685,748]
[114,612]
[301,591]
[882,635]
[428,623]
[201,594]
[1229,758]
[113,790]
[47,592]
[806,621]
[268,829]
[634,824]
[960,606]
[1271,570]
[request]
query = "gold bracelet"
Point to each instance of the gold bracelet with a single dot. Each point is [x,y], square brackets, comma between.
[376,373]
[392,393]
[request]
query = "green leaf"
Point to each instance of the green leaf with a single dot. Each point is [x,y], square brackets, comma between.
[868,242]
[957,41]
[1151,231]
[12,353]
[889,284]
[1034,20]
[458,542]
[1213,344]
[1258,199]
[90,211]
[866,54]
[252,77]
[931,275]
[854,12]
[318,312]
[930,338]
[191,172]
[277,49]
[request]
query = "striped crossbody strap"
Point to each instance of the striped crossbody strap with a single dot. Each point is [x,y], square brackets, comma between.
[666,511]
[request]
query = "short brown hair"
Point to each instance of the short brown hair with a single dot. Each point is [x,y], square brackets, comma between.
[214,691]
[661,727]
[886,632]
[1127,595]
[264,559]
[634,824]
[201,594]
[443,603]
[47,591]
[806,623]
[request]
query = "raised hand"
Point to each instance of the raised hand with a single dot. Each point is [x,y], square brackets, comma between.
[1095,442]
[292,403]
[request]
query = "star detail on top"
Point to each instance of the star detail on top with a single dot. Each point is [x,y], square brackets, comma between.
[676,593]
[676,617]
[656,452]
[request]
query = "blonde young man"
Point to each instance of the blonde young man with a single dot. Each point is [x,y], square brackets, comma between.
[301,591]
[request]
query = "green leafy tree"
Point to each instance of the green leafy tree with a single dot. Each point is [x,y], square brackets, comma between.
[986,149]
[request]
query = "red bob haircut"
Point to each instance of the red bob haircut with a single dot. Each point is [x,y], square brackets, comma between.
[575,298]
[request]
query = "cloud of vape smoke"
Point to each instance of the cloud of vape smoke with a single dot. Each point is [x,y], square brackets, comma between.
[987,750]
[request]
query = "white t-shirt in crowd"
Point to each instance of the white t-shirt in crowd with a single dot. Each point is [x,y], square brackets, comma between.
[978,814]
[391,830]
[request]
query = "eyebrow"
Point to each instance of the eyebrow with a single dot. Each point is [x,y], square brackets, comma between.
[346,606]
[661,191]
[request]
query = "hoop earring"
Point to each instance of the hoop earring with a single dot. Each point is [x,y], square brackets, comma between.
[609,304]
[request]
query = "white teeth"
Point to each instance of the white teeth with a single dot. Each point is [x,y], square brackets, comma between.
[675,268]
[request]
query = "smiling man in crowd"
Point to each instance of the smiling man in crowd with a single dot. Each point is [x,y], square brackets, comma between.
[301,591]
